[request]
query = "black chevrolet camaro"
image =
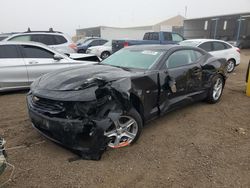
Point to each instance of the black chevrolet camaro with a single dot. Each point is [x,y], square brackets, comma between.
[88,108]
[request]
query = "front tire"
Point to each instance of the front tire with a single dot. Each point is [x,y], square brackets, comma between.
[215,92]
[126,130]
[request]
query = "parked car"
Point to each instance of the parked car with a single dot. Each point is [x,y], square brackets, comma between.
[58,40]
[149,38]
[93,42]
[103,51]
[218,48]
[244,42]
[91,107]
[22,62]
[83,40]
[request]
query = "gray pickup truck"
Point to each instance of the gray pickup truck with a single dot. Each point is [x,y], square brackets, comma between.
[161,37]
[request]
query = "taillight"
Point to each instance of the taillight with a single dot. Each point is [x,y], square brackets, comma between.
[238,50]
[73,46]
[125,44]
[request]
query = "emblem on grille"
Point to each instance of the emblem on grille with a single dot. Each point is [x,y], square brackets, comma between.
[35,99]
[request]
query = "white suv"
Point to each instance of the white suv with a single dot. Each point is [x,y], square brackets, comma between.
[54,39]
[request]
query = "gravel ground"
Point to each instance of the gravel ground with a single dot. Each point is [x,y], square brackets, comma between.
[201,145]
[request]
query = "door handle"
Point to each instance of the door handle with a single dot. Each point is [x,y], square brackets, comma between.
[33,62]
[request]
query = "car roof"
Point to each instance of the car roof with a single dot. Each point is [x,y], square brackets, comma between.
[97,39]
[10,33]
[35,33]
[22,43]
[205,40]
[37,44]
[159,47]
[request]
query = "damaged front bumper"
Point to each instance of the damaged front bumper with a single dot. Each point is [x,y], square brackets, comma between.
[84,136]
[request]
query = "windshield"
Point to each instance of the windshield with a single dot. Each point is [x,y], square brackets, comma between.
[131,58]
[190,43]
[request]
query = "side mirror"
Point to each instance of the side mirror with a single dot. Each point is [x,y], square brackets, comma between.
[57,57]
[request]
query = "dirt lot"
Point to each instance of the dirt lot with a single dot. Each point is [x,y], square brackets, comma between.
[201,145]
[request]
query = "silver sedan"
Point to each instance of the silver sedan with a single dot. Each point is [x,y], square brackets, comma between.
[22,62]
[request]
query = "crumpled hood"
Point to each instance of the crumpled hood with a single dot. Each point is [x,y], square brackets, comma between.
[75,77]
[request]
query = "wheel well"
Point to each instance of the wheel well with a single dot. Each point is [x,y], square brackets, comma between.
[136,103]
[106,52]
[232,59]
[224,78]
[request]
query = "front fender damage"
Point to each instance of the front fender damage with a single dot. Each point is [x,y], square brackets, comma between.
[81,125]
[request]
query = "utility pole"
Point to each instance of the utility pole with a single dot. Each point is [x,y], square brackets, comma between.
[186,11]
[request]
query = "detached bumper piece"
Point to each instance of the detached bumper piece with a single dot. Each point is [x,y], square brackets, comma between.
[2,156]
[84,136]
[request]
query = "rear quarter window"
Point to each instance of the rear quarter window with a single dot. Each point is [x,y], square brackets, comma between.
[218,46]
[227,46]
[60,39]
[207,46]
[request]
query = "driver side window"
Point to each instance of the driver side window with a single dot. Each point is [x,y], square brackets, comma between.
[182,58]
[36,52]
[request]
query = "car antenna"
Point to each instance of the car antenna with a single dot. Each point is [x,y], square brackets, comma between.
[51,29]
[28,30]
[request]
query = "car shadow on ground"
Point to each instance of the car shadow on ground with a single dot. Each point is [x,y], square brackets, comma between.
[25,91]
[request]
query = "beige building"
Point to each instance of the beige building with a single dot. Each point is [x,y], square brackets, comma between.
[169,24]
[174,24]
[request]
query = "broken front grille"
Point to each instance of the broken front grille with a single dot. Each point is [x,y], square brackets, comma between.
[47,106]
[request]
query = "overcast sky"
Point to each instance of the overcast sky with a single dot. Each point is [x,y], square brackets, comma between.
[68,15]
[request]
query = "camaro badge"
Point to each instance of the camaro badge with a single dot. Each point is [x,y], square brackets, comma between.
[35,99]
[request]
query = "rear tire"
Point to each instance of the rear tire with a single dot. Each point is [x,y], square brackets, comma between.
[216,90]
[105,55]
[230,65]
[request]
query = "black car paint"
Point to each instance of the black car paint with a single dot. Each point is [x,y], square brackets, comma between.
[89,98]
